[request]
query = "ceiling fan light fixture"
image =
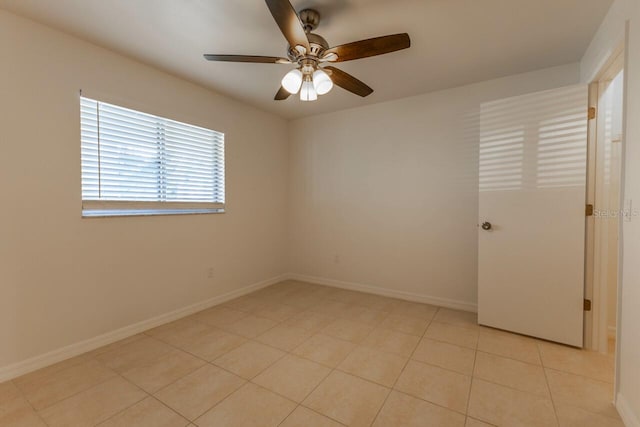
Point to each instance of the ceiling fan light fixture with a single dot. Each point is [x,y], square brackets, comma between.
[292,81]
[322,83]
[308,92]
[310,50]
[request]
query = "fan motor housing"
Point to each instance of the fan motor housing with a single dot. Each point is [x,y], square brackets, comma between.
[310,19]
[317,44]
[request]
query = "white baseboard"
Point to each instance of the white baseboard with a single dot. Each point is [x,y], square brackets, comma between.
[34,363]
[20,368]
[408,296]
[626,413]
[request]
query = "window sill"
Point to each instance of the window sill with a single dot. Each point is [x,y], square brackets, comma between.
[105,213]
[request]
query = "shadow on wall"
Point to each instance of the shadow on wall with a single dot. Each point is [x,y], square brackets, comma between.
[534,141]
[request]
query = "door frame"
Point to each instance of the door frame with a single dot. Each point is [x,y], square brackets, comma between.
[595,321]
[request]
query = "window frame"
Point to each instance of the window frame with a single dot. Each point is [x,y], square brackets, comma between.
[96,208]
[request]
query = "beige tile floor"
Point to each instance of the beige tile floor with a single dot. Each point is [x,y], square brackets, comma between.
[296,354]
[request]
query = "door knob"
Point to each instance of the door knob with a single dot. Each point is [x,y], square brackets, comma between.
[486,225]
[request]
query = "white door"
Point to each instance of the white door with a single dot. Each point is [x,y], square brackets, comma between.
[533,151]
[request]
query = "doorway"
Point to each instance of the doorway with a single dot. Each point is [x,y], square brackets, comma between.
[603,194]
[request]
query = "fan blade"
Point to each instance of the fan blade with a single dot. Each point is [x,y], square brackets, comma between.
[369,47]
[282,94]
[289,23]
[348,82]
[247,58]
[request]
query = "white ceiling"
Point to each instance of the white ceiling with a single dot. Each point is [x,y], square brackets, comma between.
[454,42]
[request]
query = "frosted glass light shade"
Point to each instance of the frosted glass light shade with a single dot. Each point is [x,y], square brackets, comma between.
[292,81]
[308,92]
[322,82]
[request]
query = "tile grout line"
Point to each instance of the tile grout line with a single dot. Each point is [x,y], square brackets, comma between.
[211,362]
[296,404]
[286,353]
[148,394]
[453,371]
[432,320]
[510,358]
[311,392]
[470,376]
[393,387]
[170,408]
[546,379]
[246,381]
[116,374]
[133,384]
[220,401]
[72,395]
[578,375]
[473,371]
[333,369]
[553,400]
[24,397]
[498,384]
[129,406]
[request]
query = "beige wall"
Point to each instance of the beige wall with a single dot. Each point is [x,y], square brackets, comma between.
[625,14]
[387,195]
[64,279]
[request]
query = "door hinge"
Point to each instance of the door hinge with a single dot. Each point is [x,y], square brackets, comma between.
[592,113]
[589,210]
[587,305]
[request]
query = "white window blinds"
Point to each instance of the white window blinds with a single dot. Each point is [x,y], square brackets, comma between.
[138,163]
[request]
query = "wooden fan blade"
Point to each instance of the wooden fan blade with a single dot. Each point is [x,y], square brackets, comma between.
[370,47]
[289,23]
[282,94]
[247,58]
[348,82]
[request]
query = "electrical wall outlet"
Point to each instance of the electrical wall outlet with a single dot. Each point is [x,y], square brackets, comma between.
[210,273]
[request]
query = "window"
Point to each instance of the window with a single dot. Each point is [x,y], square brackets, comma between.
[135,163]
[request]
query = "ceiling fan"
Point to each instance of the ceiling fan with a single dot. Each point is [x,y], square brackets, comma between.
[309,51]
